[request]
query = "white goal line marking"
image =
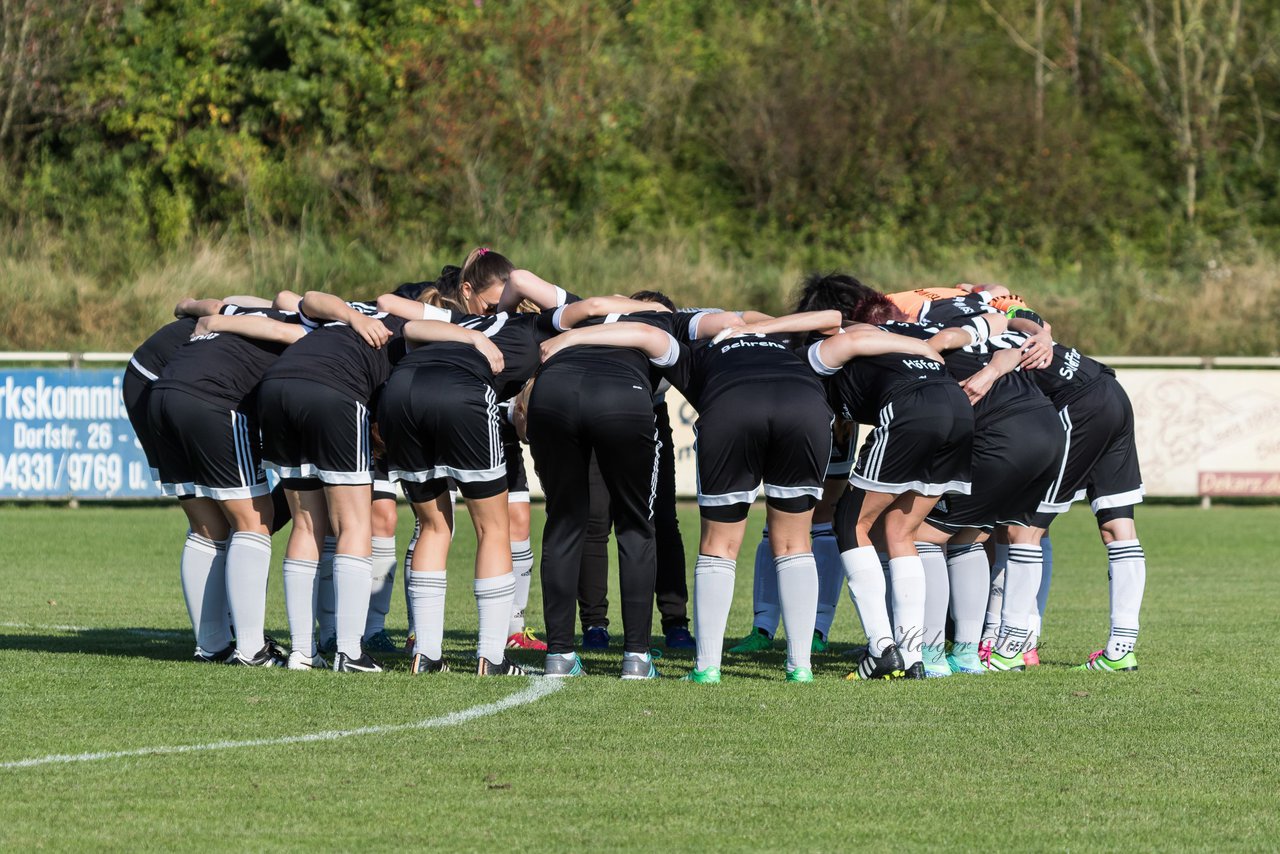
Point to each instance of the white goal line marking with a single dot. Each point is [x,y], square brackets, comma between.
[145,633]
[537,688]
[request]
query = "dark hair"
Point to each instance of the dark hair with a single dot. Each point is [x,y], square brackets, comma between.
[654,296]
[856,302]
[485,268]
[444,291]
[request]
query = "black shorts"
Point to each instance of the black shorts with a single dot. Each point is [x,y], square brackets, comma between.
[1016,458]
[310,430]
[844,450]
[439,425]
[204,449]
[136,390]
[1102,457]
[923,442]
[517,478]
[383,486]
[765,431]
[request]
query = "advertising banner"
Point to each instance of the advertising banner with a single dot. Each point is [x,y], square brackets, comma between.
[64,434]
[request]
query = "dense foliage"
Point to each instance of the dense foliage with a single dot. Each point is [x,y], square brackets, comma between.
[1048,126]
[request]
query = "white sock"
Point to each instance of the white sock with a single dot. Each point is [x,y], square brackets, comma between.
[970,585]
[493,601]
[248,562]
[408,566]
[1127,575]
[522,567]
[907,574]
[328,627]
[764,590]
[712,597]
[204,587]
[300,588]
[798,596]
[1022,580]
[426,591]
[830,579]
[382,584]
[352,578]
[866,588]
[995,596]
[937,593]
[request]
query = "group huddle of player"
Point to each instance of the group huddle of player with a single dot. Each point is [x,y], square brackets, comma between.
[980,426]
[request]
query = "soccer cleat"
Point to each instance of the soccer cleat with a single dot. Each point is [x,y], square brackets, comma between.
[965,658]
[409,643]
[916,671]
[887,665]
[268,656]
[595,637]
[343,663]
[998,663]
[558,667]
[507,667]
[935,661]
[757,640]
[526,639]
[678,637]
[328,646]
[380,641]
[709,676]
[1031,657]
[422,664]
[1098,661]
[984,650]
[820,644]
[638,667]
[299,660]
[800,674]
[219,657]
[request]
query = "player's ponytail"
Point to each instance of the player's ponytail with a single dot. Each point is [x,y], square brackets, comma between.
[856,302]
[445,292]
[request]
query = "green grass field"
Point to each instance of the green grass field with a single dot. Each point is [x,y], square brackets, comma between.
[94,658]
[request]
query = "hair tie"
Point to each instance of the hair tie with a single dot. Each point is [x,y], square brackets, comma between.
[482,251]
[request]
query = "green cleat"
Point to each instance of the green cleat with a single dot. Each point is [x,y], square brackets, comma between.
[1098,661]
[710,676]
[757,641]
[800,674]
[1000,663]
[820,644]
[935,661]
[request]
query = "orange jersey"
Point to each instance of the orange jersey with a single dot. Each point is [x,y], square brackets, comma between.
[916,304]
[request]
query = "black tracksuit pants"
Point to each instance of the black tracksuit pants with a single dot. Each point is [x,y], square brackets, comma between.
[573,412]
[671,585]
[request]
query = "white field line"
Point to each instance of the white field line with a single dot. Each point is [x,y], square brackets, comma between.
[145,633]
[537,688]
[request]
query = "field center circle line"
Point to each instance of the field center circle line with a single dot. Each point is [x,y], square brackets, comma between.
[537,688]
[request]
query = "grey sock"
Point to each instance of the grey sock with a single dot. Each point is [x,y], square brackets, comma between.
[712,597]
[248,562]
[798,595]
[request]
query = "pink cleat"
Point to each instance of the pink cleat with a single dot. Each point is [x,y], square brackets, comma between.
[526,640]
[1031,657]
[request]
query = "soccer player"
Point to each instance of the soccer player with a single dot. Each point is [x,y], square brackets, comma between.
[1101,463]
[519,635]
[204,418]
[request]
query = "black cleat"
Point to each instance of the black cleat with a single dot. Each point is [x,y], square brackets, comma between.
[485,667]
[268,656]
[343,663]
[219,657]
[915,671]
[422,664]
[887,665]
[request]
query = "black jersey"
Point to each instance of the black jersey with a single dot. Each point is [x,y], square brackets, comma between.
[518,336]
[337,356]
[623,362]
[1011,390]
[1069,376]
[153,355]
[950,309]
[860,389]
[706,369]
[224,367]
